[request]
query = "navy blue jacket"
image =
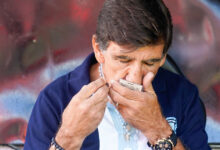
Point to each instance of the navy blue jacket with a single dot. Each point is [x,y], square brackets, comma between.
[179,101]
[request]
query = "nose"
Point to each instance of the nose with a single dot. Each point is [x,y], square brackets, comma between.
[135,74]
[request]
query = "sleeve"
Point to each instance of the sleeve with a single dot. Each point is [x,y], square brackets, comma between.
[44,122]
[192,131]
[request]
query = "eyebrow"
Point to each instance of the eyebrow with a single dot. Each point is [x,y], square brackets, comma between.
[122,57]
[153,60]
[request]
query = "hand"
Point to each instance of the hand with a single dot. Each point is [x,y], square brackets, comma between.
[83,114]
[141,109]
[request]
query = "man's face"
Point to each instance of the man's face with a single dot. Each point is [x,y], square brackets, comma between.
[123,63]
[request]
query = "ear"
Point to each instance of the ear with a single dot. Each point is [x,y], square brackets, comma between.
[97,51]
[163,60]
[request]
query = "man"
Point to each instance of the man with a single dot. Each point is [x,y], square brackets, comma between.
[90,109]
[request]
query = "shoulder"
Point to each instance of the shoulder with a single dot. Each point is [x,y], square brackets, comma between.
[58,85]
[180,92]
[61,90]
[176,82]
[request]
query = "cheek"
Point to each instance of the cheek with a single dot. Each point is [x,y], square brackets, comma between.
[116,70]
[153,69]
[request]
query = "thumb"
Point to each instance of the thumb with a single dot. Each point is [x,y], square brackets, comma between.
[147,81]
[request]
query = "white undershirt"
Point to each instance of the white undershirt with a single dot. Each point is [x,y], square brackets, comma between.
[108,136]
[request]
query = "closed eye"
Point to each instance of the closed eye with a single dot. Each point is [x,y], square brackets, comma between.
[123,58]
[149,64]
[124,61]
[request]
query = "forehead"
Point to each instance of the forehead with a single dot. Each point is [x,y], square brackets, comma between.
[145,51]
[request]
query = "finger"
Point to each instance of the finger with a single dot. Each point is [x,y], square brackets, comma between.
[117,98]
[88,90]
[124,91]
[101,105]
[147,82]
[100,95]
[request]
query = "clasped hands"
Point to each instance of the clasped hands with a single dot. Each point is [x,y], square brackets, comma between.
[86,110]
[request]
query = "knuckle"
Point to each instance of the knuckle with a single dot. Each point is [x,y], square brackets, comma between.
[93,85]
[99,81]
[77,97]
[75,102]
[84,87]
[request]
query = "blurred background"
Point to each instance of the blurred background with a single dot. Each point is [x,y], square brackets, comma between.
[41,40]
